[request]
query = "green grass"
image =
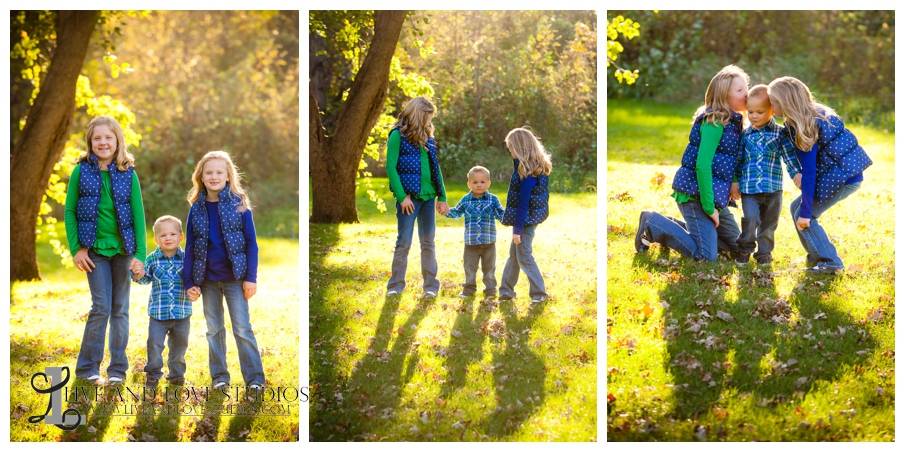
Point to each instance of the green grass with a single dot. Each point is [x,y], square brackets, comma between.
[793,358]
[47,319]
[449,370]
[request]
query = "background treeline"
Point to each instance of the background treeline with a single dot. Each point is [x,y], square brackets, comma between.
[847,58]
[195,81]
[488,72]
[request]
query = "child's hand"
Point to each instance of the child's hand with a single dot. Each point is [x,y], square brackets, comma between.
[803,223]
[136,275]
[250,289]
[194,292]
[516,238]
[137,266]
[442,207]
[797,180]
[734,193]
[407,206]
[715,216]
[82,261]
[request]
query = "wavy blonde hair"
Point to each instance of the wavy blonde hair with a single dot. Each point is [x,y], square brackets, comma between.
[533,160]
[414,122]
[716,99]
[799,110]
[234,177]
[121,156]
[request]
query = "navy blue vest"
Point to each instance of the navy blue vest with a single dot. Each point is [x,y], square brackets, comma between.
[724,161]
[90,200]
[231,226]
[409,165]
[538,206]
[839,156]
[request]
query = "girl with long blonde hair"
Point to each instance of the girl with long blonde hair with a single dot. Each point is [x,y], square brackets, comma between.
[702,184]
[527,205]
[417,184]
[832,163]
[221,261]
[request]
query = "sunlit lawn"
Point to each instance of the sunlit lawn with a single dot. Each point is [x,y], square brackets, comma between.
[47,319]
[451,369]
[725,353]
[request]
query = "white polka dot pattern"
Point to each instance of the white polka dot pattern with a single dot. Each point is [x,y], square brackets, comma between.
[723,166]
[231,227]
[90,184]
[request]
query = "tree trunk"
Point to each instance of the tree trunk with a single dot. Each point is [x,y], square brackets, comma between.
[41,142]
[334,159]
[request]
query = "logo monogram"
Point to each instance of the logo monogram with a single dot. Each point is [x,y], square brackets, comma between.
[62,419]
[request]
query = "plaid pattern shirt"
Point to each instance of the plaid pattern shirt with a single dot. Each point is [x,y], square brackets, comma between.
[759,169]
[168,299]
[480,217]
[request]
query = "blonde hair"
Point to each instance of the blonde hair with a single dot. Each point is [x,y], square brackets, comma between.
[716,99]
[414,122]
[165,219]
[799,110]
[533,159]
[233,176]
[121,156]
[759,91]
[478,169]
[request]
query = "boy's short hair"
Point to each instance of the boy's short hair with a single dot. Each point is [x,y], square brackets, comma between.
[166,218]
[478,169]
[759,91]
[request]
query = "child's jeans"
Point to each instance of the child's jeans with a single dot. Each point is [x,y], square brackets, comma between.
[109,283]
[762,212]
[696,236]
[427,226]
[520,257]
[176,333]
[212,293]
[486,254]
[814,238]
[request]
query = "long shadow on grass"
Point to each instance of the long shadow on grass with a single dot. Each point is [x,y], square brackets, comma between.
[466,346]
[755,345]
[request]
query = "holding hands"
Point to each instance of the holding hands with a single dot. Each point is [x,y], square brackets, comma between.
[138,269]
[194,292]
[442,208]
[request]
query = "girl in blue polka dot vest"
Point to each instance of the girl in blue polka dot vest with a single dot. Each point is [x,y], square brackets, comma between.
[527,205]
[221,261]
[105,225]
[832,163]
[417,184]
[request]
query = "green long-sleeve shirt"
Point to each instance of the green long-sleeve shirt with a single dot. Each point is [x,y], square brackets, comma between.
[710,139]
[108,241]
[427,188]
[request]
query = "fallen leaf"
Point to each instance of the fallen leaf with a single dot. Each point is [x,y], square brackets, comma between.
[647,310]
[801,381]
[658,178]
[724,316]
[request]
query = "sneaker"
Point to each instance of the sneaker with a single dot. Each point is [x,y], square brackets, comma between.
[490,297]
[507,297]
[430,294]
[151,383]
[178,382]
[254,392]
[221,384]
[465,295]
[94,377]
[392,293]
[742,258]
[642,240]
[539,299]
[823,270]
[764,260]
[114,381]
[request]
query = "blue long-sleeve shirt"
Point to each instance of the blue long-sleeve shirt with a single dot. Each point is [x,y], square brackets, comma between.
[808,162]
[219,268]
[524,202]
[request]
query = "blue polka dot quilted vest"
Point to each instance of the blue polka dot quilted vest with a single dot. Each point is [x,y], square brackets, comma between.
[90,200]
[231,226]
[724,161]
[839,156]
[538,206]
[409,165]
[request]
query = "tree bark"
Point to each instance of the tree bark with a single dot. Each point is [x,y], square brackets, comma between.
[42,140]
[334,159]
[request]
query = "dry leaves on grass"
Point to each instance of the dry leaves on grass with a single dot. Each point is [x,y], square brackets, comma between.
[777,311]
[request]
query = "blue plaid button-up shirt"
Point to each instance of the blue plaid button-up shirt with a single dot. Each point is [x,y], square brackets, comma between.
[168,299]
[480,215]
[759,169]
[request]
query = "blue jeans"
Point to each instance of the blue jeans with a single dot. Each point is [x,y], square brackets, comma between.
[427,227]
[212,293]
[520,258]
[486,254]
[109,283]
[813,238]
[695,237]
[762,212]
[178,343]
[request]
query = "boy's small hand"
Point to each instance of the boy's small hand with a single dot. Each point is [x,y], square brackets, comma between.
[797,180]
[442,207]
[250,289]
[194,292]
[516,238]
[136,275]
[803,223]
